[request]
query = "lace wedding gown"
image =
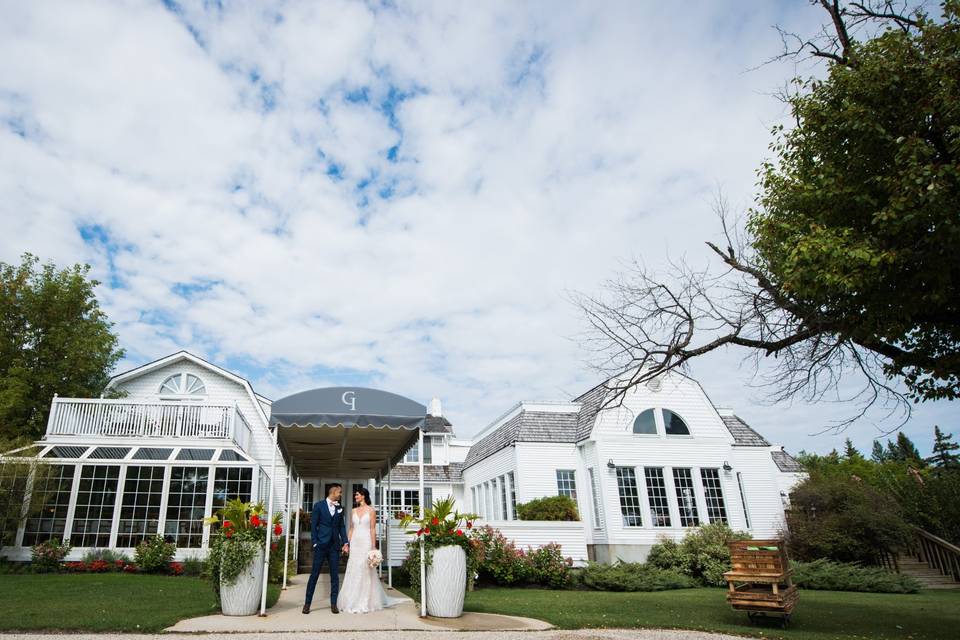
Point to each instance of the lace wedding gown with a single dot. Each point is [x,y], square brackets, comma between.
[361,591]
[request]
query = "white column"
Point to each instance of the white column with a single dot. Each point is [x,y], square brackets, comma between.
[296,525]
[266,555]
[423,511]
[387,530]
[286,533]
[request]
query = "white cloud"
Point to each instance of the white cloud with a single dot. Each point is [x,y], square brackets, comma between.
[243,151]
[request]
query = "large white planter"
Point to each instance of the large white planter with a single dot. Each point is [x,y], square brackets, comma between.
[242,598]
[447,582]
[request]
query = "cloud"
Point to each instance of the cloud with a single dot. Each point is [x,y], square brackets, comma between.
[399,194]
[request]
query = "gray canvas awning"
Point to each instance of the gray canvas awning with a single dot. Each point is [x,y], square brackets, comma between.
[340,432]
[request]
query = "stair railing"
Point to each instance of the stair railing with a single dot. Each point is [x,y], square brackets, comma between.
[938,554]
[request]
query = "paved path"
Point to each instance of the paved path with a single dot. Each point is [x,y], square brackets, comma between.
[553,634]
[286,616]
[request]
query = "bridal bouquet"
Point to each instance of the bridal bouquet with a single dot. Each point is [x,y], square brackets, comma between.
[374,558]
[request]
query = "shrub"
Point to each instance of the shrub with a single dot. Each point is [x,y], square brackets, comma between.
[843,519]
[841,576]
[502,561]
[628,576]
[547,566]
[193,566]
[549,508]
[702,554]
[154,555]
[107,555]
[48,555]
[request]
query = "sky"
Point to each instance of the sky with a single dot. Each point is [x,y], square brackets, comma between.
[402,195]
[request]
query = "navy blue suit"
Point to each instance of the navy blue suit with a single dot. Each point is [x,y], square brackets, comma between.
[328,533]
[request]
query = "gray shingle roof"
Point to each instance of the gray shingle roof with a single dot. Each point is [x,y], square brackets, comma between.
[437,424]
[786,462]
[590,406]
[526,426]
[452,473]
[743,435]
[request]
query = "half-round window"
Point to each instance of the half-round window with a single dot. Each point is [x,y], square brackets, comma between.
[674,424]
[645,423]
[183,384]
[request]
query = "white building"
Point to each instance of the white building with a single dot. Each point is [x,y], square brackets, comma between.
[188,435]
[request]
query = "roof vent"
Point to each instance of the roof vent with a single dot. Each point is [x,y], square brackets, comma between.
[654,385]
[435,409]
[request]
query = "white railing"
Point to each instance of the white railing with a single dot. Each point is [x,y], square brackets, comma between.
[242,433]
[122,418]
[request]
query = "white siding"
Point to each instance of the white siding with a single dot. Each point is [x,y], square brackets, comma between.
[537,464]
[499,464]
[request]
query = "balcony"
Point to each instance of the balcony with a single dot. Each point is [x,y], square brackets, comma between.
[125,419]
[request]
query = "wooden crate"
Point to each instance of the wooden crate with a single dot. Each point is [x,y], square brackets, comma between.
[760,579]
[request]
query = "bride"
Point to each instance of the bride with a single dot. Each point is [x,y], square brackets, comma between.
[362,591]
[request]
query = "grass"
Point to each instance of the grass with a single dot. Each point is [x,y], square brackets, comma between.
[820,615]
[104,601]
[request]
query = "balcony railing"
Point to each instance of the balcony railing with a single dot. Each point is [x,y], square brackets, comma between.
[122,418]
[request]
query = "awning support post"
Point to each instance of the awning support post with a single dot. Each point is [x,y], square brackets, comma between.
[423,512]
[379,499]
[286,534]
[296,526]
[389,516]
[266,555]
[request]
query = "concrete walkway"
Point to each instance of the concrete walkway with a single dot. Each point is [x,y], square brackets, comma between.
[553,634]
[286,616]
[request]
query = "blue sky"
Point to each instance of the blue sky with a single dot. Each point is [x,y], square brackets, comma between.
[395,194]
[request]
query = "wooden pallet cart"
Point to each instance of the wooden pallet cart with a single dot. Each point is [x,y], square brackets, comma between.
[760,580]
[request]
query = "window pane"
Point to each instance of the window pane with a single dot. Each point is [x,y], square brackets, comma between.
[140,510]
[55,493]
[686,498]
[231,483]
[645,423]
[595,491]
[186,505]
[307,497]
[503,497]
[513,494]
[413,455]
[657,495]
[427,450]
[713,492]
[674,424]
[629,497]
[566,483]
[96,498]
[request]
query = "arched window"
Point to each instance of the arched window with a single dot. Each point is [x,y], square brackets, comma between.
[183,384]
[674,424]
[646,423]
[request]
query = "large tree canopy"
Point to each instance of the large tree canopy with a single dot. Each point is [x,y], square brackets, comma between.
[849,259]
[53,339]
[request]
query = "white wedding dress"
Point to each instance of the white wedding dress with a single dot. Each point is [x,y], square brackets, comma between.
[361,591]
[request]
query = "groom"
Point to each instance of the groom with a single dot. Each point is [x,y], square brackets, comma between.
[328,533]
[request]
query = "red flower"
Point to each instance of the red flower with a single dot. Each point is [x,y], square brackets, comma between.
[176,568]
[459,532]
[419,532]
[273,547]
[277,530]
[255,520]
[426,531]
[228,533]
[469,525]
[227,523]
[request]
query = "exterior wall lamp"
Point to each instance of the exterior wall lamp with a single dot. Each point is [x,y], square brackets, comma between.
[610,464]
[727,467]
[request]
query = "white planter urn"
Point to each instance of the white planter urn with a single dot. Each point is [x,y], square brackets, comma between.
[447,582]
[242,598]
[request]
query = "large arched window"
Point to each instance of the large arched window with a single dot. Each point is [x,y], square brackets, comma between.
[183,384]
[674,424]
[646,423]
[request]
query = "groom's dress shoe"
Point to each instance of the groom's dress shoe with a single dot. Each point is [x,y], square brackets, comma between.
[333,609]
[306,608]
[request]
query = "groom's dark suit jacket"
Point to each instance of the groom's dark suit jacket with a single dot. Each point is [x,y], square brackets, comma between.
[326,529]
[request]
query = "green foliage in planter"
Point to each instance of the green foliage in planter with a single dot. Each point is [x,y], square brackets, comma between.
[702,554]
[47,556]
[633,576]
[239,537]
[547,566]
[154,555]
[842,576]
[555,508]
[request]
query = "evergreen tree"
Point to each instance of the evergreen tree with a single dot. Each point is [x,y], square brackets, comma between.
[908,450]
[850,452]
[878,455]
[943,450]
[894,453]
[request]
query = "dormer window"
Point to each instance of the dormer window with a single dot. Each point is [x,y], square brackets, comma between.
[674,424]
[182,385]
[646,423]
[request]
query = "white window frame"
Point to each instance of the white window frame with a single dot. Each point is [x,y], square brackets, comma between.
[595,493]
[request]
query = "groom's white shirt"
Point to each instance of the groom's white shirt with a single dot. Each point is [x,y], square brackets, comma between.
[331,506]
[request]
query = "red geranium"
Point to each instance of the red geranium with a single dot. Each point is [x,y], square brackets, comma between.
[469,525]
[419,532]
[273,546]
[459,532]
[227,523]
[255,520]
[277,530]
[426,531]
[435,521]
[228,533]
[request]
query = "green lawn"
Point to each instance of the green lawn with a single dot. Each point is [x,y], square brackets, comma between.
[103,602]
[820,615]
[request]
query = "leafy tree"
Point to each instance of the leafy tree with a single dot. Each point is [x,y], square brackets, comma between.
[943,450]
[54,339]
[848,260]
[850,452]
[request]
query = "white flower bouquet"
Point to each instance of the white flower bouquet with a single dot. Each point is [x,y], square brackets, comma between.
[374,558]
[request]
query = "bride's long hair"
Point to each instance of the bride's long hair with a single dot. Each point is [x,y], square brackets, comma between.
[365,495]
